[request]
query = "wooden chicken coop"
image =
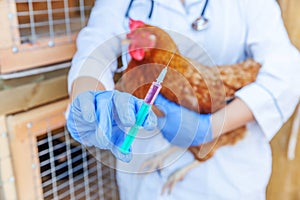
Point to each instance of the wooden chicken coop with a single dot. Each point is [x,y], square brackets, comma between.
[43,28]
[38,158]
[47,163]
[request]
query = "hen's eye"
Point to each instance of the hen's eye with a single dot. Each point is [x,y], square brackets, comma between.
[152,37]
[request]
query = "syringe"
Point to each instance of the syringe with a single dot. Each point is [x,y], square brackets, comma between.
[143,111]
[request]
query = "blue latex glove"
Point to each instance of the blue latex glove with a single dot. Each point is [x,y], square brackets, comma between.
[99,119]
[183,127]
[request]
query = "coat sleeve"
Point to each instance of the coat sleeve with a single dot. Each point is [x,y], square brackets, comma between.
[99,43]
[275,94]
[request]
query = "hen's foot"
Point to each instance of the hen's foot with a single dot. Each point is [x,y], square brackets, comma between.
[156,162]
[178,176]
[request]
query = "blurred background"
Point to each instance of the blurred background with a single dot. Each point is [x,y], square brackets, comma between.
[38,159]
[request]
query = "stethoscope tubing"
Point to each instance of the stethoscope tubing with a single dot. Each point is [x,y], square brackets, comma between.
[130,5]
[152,7]
[204,8]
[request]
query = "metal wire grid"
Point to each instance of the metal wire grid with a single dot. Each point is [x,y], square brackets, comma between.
[39,19]
[68,171]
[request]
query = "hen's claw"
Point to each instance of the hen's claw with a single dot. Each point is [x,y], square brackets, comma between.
[156,162]
[173,179]
[178,176]
[152,164]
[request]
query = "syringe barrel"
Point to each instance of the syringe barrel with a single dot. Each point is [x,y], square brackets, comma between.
[152,92]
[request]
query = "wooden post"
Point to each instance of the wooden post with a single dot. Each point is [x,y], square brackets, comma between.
[284,182]
[291,16]
[6,170]
[9,25]
[23,130]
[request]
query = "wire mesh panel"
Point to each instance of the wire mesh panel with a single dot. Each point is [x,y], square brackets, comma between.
[49,164]
[36,33]
[40,19]
[68,171]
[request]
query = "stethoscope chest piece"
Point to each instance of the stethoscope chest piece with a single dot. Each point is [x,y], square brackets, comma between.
[200,23]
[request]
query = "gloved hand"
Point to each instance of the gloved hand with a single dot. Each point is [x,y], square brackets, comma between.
[99,119]
[183,127]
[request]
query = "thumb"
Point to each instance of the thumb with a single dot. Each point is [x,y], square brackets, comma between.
[124,104]
[151,121]
[161,100]
[87,106]
[163,104]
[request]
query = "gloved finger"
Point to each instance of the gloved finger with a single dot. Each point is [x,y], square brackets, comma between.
[87,107]
[150,122]
[105,123]
[72,125]
[165,105]
[161,106]
[77,126]
[118,136]
[101,140]
[161,100]
[125,106]
[121,156]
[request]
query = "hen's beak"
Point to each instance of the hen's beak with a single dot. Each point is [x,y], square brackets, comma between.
[126,41]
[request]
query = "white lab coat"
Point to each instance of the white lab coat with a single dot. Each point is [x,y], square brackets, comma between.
[238,29]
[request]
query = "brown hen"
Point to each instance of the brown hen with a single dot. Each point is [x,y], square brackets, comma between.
[190,84]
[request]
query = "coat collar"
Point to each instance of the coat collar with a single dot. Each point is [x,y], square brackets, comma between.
[177,5]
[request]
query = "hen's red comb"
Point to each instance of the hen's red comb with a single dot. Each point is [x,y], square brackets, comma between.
[134,24]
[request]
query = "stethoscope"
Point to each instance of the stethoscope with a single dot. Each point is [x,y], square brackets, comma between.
[199,24]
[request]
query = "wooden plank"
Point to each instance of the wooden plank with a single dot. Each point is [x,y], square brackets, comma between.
[36,169]
[291,15]
[34,94]
[5,31]
[285,178]
[23,166]
[10,62]
[6,170]
[55,121]
[41,118]
[8,22]
[26,163]
[14,24]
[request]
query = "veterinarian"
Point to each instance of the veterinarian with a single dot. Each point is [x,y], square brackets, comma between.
[230,32]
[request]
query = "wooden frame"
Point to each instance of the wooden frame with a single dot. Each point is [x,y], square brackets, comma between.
[33,94]
[10,62]
[17,56]
[6,170]
[23,130]
[6,32]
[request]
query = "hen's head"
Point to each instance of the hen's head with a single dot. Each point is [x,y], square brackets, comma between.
[142,39]
[147,41]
